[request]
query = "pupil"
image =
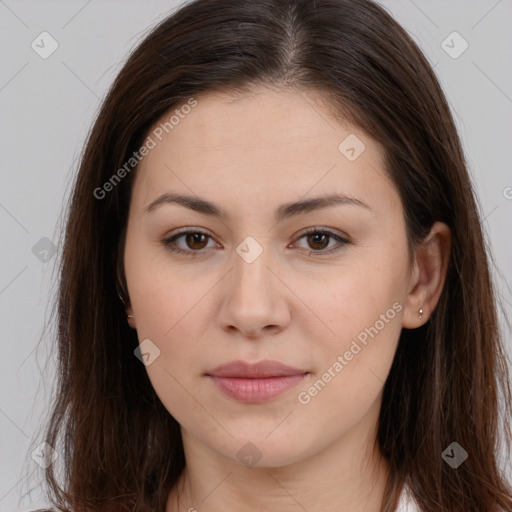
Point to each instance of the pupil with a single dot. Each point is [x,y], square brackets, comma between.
[319,235]
[195,237]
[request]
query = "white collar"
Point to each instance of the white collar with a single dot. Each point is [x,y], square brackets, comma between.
[406,502]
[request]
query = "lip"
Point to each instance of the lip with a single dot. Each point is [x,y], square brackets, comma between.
[255,383]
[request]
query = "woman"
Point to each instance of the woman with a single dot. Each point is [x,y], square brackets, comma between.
[275,291]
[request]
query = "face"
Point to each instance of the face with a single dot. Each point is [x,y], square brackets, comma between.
[256,266]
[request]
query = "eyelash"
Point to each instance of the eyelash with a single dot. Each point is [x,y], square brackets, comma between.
[170,243]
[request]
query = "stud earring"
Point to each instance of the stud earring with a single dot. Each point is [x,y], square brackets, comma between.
[421,312]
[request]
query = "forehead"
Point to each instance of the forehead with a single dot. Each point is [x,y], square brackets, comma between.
[261,142]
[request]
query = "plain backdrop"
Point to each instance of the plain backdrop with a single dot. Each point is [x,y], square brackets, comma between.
[47,107]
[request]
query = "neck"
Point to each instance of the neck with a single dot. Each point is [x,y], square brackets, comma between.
[346,476]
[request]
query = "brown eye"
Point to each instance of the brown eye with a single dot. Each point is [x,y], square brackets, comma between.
[194,242]
[318,240]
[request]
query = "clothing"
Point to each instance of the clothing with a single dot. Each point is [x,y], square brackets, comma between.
[406,502]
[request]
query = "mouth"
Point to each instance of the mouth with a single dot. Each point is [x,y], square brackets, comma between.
[255,383]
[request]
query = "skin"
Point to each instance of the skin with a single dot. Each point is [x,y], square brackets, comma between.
[296,303]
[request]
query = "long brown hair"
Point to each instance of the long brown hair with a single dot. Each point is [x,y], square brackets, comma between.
[120,448]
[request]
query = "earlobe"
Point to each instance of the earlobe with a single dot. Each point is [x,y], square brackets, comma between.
[129,311]
[130,317]
[427,280]
[414,316]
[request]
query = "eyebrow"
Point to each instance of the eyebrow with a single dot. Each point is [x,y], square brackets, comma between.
[285,211]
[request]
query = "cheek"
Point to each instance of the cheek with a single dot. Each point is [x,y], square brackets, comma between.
[351,365]
[173,319]
[159,295]
[165,309]
[362,306]
[356,296]
[173,314]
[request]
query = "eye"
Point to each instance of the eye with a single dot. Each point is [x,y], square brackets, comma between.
[318,239]
[195,242]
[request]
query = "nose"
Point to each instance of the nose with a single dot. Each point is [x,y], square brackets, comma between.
[255,299]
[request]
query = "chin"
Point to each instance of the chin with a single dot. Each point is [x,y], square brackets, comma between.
[258,449]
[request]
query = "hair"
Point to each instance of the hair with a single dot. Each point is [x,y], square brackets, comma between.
[120,448]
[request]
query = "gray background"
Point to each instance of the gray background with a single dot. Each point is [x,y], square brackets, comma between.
[47,108]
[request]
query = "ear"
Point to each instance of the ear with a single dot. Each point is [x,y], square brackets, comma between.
[431,260]
[131,317]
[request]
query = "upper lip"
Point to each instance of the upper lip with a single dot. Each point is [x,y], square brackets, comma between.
[260,370]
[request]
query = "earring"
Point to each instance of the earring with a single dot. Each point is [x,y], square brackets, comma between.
[130,316]
[420,312]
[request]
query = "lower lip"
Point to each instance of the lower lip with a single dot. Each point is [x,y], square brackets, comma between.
[256,390]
